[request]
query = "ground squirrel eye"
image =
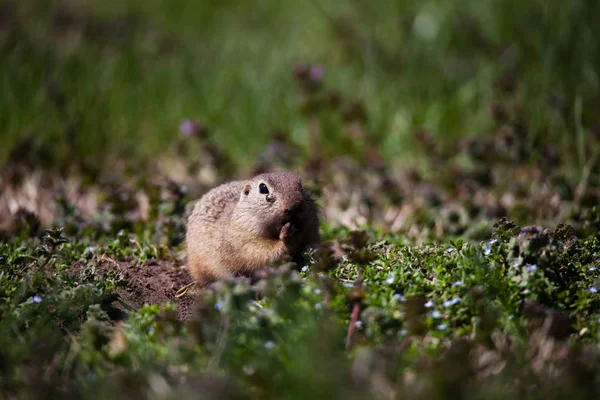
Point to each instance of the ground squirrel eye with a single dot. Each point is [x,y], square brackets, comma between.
[263,189]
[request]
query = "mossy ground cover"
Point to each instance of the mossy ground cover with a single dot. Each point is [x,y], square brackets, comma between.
[452,147]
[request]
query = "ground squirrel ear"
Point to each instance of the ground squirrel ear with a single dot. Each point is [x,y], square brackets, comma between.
[246,189]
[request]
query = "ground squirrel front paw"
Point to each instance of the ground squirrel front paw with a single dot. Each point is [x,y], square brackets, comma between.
[287,232]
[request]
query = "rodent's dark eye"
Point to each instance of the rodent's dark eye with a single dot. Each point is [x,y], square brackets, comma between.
[263,189]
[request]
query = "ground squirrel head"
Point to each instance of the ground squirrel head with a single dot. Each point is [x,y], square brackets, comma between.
[268,201]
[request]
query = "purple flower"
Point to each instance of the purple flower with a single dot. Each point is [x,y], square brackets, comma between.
[449,250]
[593,289]
[317,73]
[188,127]
[36,299]
[218,305]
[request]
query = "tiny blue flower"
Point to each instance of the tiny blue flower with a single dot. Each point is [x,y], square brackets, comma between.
[390,279]
[305,268]
[510,317]
[348,284]
[487,250]
[318,306]
[458,283]
[526,291]
[435,314]
[517,263]
[592,268]
[36,299]
[593,289]
[218,305]
[442,327]
[398,297]
[402,332]
[449,250]
[493,242]
[150,330]
[359,324]
[269,344]
[531,268]
[451,302]
[429,304]
[317,291]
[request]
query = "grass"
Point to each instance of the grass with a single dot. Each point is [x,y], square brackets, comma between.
[453,147]
[127,75]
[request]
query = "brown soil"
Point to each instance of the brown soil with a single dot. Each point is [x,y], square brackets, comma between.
[153,282]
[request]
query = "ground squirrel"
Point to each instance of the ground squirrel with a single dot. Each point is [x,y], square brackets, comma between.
[239,227]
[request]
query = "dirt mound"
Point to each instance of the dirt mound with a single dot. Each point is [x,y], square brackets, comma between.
[153,282]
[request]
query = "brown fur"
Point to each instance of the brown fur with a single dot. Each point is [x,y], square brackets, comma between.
[235,230]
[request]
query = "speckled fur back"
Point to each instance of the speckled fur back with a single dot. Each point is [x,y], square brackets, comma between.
[217,202]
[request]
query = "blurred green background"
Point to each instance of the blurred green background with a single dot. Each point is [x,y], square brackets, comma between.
[103,78]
